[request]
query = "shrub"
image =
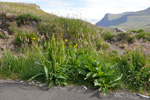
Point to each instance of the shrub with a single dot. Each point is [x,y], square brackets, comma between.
[26,19]
[3,36]
[144,36]
[23,37]
[135,70]
[108,36]
[126,37]
[140,31]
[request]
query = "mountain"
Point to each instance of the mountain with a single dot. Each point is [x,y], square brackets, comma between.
[139,19]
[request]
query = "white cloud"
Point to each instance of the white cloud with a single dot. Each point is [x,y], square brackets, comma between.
[90,10]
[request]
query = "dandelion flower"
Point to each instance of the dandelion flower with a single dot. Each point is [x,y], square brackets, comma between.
[43,36]
[32,38]
[61,34]
[66,40]
[75,46]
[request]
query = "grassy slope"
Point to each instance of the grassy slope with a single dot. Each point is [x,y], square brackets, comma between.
[52,24]
[116,16]
[134,20]
[78,53]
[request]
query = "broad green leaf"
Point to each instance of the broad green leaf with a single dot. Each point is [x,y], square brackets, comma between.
[35,76]
[89,75]
[114,84]
[60,76]
[97,83]
[95,75]
[117,79]
[82,71]
[46,72]
[106,90]
[100,73]
[50,84]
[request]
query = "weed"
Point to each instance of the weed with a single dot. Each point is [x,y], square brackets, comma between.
[108,36]
[3,36]
[135,70]
[23,37]
[26,19]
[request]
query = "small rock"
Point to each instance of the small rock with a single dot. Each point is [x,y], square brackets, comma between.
[120,30]
[34,23]
[30,83]
[33,83]
[21,82]
[40,85]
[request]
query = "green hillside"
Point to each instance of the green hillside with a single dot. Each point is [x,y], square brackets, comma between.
[128,20]
[35,45]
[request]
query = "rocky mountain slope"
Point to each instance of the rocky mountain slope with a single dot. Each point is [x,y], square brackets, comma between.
[129,20]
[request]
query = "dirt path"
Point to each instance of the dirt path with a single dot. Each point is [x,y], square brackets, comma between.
[17,91]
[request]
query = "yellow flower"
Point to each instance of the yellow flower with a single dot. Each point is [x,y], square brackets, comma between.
[42,48]
[75,46]
[47,33]
[43,36]
[32,38]
[68,52]
[61,34]
[66,40]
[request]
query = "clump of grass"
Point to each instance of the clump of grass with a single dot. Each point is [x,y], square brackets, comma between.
[119,37]
[138,31]
[126,37]
[108,36]
[26,19]
[3,36]
[144,36]
[135,68]
[24,37]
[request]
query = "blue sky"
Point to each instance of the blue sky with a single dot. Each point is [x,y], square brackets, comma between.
[88,10]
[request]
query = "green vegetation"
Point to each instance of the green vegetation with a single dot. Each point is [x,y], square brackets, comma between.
[127,20]
[70,51]
[124,37]
[26,19]
[3,36]
[135,68]
[141,34]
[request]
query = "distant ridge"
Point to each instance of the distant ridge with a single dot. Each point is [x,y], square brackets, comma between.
[139,19]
